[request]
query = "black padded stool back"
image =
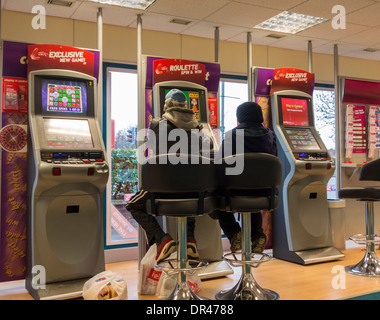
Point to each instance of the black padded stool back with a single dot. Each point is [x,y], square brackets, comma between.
[179,189]
[370,171]
[261,172]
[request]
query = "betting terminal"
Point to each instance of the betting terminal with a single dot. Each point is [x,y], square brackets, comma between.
[67,174]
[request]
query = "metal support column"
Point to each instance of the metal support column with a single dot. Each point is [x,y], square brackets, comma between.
[310,55]
[337,118]
[249,66]
[141,124]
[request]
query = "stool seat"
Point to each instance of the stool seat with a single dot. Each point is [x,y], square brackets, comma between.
[181,207]
[245,203]
[363,194]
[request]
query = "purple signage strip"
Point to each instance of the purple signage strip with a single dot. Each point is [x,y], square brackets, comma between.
[263,81]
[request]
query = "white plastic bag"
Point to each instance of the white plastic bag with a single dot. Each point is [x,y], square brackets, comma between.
[106,285]
[149,275]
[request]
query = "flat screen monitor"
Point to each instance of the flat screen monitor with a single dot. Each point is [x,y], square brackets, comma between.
[301,139]
[295,111]
[63,96]
[67,133]
[196,100]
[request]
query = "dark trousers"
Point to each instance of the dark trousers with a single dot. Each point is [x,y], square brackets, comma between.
[230,226]
[137,207]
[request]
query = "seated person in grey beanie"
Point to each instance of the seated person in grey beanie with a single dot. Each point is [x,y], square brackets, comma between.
[257,138]
[176,116]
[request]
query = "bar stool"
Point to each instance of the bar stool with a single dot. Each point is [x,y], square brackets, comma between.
[262,172]
[180,191]
[370,264]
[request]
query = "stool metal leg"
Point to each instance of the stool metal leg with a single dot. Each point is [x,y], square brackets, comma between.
[182,290]
[370,264]
[246,288]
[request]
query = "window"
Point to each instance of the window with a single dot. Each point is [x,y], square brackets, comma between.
[232,94]
[122,150]
[324,114]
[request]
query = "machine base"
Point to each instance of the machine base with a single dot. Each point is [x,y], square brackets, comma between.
[368,266]
[59,291]
[310,256]
[246,289]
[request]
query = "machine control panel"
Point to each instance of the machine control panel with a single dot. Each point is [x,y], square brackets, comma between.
[72,157]
[312,156]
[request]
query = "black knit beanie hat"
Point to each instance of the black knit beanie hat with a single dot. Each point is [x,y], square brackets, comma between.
[249,112]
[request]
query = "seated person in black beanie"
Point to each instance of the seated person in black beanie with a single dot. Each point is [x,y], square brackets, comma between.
[257,138]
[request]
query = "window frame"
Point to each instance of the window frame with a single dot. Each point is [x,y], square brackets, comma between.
[107,67]
[330,87]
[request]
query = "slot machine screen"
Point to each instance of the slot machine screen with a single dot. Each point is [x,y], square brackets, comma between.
[64,96]
[196,100]
[295,111]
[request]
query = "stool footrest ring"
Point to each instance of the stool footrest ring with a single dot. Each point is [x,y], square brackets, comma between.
[171,266]
[364,239]
[235,259]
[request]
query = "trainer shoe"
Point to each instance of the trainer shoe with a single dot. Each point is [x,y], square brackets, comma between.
[165,248]
[192,249]
[258,244]
[236,242]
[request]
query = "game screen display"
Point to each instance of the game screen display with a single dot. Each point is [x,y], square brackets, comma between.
[63,96]
[193,100]
[67,133]
[302,139]
[294,112]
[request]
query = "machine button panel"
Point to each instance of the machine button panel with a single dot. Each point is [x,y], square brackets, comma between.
[314,156]
[72,157]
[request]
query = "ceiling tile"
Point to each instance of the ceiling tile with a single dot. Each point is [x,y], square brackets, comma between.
[207,30]
[326,31]
[274,4]
[51,10]
[298,43]
[191,9]
[111,14]
[323,8]
[368,16]
[243,15]
[368,38]
[160,22]
[343,49]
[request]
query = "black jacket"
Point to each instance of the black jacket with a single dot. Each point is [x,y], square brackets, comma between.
[257,138]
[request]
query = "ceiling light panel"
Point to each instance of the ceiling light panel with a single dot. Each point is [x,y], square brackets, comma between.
[290,22]
[135,4]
